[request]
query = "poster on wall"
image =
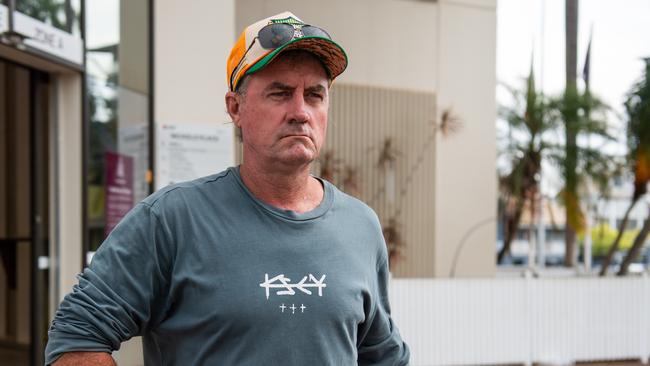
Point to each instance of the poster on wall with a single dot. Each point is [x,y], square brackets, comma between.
[186,151]
[118,188]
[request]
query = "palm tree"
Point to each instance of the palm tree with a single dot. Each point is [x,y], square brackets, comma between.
[637,107]
[538,119]
[530,117]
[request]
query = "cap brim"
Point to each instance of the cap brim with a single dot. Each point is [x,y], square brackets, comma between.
[329,52]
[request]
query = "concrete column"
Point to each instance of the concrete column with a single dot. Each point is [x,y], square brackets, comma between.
[66,244]
[465,189]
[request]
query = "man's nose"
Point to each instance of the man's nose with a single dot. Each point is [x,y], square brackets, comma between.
[298,112]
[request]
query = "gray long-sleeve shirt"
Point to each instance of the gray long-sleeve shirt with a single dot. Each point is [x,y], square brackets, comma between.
[209,275]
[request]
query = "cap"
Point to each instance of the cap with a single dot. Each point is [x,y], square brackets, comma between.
[248,56]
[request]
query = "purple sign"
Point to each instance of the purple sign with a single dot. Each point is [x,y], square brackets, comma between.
[118,189]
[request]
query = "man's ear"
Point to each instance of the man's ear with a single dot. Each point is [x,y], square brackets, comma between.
[233,106]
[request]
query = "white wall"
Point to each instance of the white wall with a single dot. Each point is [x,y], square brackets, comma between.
[466,162]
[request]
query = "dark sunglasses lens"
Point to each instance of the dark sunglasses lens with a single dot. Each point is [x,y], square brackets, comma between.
[275,35]
[311,31]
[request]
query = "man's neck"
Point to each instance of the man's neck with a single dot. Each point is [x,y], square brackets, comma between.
[286,188]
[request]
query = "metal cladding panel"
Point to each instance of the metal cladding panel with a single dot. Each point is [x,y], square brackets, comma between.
[380,146]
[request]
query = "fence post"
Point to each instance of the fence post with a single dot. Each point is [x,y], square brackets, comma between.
[645,321]
[528,286]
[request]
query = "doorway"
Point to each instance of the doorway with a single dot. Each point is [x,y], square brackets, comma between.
[24,218]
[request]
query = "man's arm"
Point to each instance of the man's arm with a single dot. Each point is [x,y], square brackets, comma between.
[121,293]
[85,359]
[380,341]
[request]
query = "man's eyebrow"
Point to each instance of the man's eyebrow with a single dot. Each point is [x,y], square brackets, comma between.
[276,85]
[316,89]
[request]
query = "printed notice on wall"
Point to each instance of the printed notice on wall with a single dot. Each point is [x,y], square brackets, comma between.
[188,151]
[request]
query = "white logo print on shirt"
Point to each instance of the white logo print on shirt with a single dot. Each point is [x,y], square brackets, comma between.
[285,283]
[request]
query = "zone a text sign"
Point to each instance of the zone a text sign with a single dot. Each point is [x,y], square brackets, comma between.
[49,39]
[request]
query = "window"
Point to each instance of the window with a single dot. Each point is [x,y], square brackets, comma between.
[118,100]
[61,14]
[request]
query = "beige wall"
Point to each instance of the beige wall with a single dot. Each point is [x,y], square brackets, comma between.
[389,43]
[465,187]
[192,44]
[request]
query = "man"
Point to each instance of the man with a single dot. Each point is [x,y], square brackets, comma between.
[262,264]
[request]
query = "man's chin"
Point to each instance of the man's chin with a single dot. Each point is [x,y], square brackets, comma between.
[298,158]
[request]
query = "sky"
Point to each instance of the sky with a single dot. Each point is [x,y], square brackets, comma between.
[620,40]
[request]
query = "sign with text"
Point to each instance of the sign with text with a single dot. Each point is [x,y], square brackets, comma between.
[188,151]
[49,39]
[119,188]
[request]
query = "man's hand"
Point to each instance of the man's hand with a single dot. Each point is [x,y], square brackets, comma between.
[85,358]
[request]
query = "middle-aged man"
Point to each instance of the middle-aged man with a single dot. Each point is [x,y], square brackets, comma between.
[261,264]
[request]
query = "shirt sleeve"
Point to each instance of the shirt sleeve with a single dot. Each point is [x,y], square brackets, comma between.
[121,293]
[380,342]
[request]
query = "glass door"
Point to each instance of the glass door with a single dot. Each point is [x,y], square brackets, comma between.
[24,221]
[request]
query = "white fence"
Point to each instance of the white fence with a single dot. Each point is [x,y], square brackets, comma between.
[523,320]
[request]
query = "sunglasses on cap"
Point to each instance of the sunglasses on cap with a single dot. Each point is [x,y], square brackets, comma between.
[277,35]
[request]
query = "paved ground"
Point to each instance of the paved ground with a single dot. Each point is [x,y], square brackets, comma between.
[10,356]
[619,363]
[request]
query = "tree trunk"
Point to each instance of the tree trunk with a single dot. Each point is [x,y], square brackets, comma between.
[636,247]
[532,250]
[511,226]
[571,37]
[614,247]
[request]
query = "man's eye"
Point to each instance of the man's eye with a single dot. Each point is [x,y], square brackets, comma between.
[280,94]
[316,96]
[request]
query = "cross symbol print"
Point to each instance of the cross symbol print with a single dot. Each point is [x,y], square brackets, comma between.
[293,308]
[302,308]
[282,307]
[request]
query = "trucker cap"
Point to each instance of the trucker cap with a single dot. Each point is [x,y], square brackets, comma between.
[264,40]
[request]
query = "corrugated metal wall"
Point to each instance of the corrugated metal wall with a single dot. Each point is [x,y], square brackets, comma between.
[380,148]
[382,143]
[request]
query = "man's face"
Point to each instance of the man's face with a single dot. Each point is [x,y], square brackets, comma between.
[283,115]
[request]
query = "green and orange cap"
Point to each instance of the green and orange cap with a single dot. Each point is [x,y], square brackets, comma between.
[248,55]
